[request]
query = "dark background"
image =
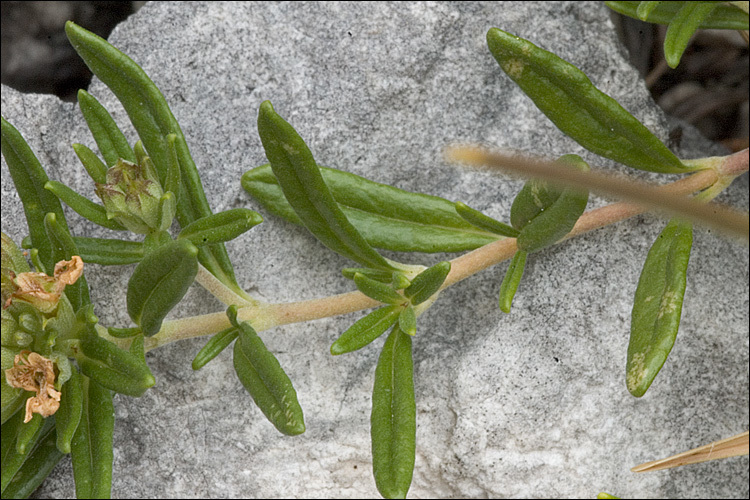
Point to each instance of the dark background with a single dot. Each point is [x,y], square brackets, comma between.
[709,89]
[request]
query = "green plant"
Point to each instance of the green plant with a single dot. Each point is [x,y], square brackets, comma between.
[307,191]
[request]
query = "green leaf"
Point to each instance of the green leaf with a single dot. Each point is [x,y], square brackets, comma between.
[304,188]
[580,110]
[478,219]
[29,433]
[545,215]
[645,8]
[173,181]
[96,168]
[684,24]
[393,421]
[152,118]
[377,290]
[265,380]
[83,206]
[374,274]
[407,320]
[534,197]
[427,283]
[110,140]
[213,347]
[365,330]
[387,217]
[108,252]
[22,474]
[29,178]
[159,282]
[511,280]
[724,16]
[112,367]
[91,450]
[68,416]
[657,306]
[217,228]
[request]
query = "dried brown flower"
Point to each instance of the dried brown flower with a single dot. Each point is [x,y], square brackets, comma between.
[33,372]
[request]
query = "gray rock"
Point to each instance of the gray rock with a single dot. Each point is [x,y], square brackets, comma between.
[531,404]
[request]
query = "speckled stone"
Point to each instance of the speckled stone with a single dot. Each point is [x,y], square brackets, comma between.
[531,404]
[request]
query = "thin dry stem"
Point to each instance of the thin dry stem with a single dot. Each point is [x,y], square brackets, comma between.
[730,447]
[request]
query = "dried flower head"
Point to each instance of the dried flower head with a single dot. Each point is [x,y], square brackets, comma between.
[43,291]
[33,372]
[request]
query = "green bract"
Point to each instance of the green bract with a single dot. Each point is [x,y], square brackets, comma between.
[568,98]
[387,217]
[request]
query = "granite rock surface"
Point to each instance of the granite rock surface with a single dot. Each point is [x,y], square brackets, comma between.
[531,404]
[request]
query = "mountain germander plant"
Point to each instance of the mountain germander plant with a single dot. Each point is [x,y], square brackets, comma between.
[61,366]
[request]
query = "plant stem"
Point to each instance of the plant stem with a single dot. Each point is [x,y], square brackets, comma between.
[220,290]
[264,316]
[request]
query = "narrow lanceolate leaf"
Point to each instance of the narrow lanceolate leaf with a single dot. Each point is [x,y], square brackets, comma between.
[658,305]
[478,219]
[383,276]
[68,416]
[377,290]
[152,118]
[91,450]
[724,16]
[109,138]
[366,330]
[83,206]
[427,283]
[159,282]
[265,380]
[108,252]
[29,178]
[407,320]
[511,280]
[22,474]
[568,98]
[645,8]
[96,168]
[214,346]
[387,217]
[304,188]
[217,228]
[393,421]
[684,24]
[113,367]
